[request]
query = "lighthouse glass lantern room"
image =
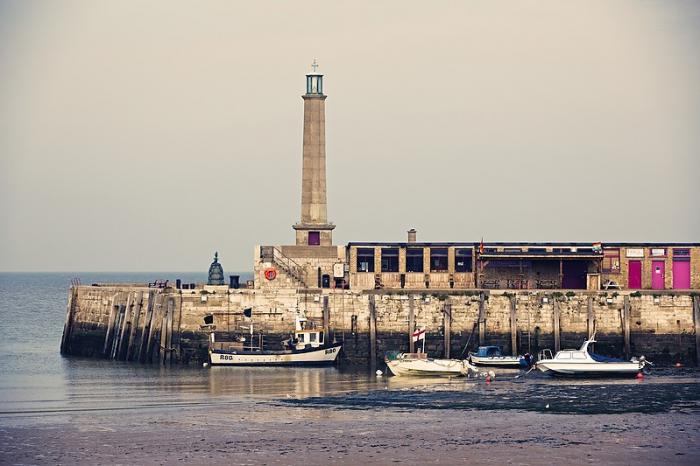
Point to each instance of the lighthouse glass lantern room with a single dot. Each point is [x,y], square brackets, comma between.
[314,82]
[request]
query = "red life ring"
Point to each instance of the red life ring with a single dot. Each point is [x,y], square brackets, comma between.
[270,273]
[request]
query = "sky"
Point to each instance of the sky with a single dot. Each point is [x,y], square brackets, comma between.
[144,136]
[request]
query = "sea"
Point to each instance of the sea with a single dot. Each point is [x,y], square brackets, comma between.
[38,381]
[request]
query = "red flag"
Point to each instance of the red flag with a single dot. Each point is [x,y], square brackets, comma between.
[481,246]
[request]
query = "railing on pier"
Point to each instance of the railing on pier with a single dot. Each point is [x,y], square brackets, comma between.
[289,266]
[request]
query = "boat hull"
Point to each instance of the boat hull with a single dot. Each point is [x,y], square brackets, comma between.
[321,356]
[429,367]
[509,362]
[590,369]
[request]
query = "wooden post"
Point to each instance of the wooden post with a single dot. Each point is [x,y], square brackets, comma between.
[175,343]
[561,274]
[513,327]
[167,334]
[145,328]
[68,326]
[482,319]
[555,324]
[163,346]
[126,318]
[134,326]
[476,266]
[411,324]
[117,328]
[626,326]
[326,320]
[152,330]
[590,319]
[447,328]
[372,333]
[158,316]
[110,325]
[696,320]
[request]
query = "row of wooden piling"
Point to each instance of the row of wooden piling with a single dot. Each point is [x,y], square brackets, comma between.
[480,324]
[142,333]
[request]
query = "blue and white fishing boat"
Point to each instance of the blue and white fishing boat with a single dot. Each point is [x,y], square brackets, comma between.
[492,356]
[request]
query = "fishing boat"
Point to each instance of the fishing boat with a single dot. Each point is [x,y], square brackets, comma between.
[307,347]
[419,364]
[583,363]
[491,356]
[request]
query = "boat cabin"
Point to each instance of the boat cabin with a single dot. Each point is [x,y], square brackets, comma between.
[307,335]
[489,352]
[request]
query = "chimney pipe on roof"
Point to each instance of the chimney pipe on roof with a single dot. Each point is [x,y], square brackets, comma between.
[412,235]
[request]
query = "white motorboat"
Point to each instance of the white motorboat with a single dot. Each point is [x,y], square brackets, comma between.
[583,363]
[419,364]
[491,356]
[306,348]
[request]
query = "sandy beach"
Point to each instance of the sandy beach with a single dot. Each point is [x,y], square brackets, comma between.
[269,433]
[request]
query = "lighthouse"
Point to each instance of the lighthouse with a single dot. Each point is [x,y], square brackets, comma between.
[314,229]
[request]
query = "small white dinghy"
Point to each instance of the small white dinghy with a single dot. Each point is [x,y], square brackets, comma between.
[582,363]
[419,364]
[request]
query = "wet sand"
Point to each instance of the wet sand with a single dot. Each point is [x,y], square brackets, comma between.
[255,432]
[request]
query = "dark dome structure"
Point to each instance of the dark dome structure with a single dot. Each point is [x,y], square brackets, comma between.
[216,272]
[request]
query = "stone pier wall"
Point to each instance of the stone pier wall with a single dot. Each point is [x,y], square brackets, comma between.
[131,322]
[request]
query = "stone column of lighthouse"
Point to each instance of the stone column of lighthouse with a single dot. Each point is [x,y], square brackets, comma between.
[314,228]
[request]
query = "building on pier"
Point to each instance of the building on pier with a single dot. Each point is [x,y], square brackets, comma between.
[314,262]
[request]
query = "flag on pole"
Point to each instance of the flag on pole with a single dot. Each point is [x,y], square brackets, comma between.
[481,246]
[419,334]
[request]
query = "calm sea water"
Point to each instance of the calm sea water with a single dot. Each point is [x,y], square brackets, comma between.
[37,383]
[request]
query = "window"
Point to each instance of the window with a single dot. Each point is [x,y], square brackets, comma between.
[563,355]
[301,338]
[463,260]
[682,255]
[320,337]
[314,238]
[390,260]
[365,260]
[438,259]
[414,260]
[312,337]
[611,261]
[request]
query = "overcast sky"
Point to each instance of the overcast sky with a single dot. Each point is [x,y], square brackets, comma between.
[147,135]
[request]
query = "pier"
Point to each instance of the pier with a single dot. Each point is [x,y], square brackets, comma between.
[165,326]
[640,298]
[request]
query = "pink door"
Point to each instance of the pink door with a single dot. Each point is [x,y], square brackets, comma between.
[658,274]
[634,275]
[681,274]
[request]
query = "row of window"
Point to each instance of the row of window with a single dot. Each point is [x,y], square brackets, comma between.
[611,257]
[414,260]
